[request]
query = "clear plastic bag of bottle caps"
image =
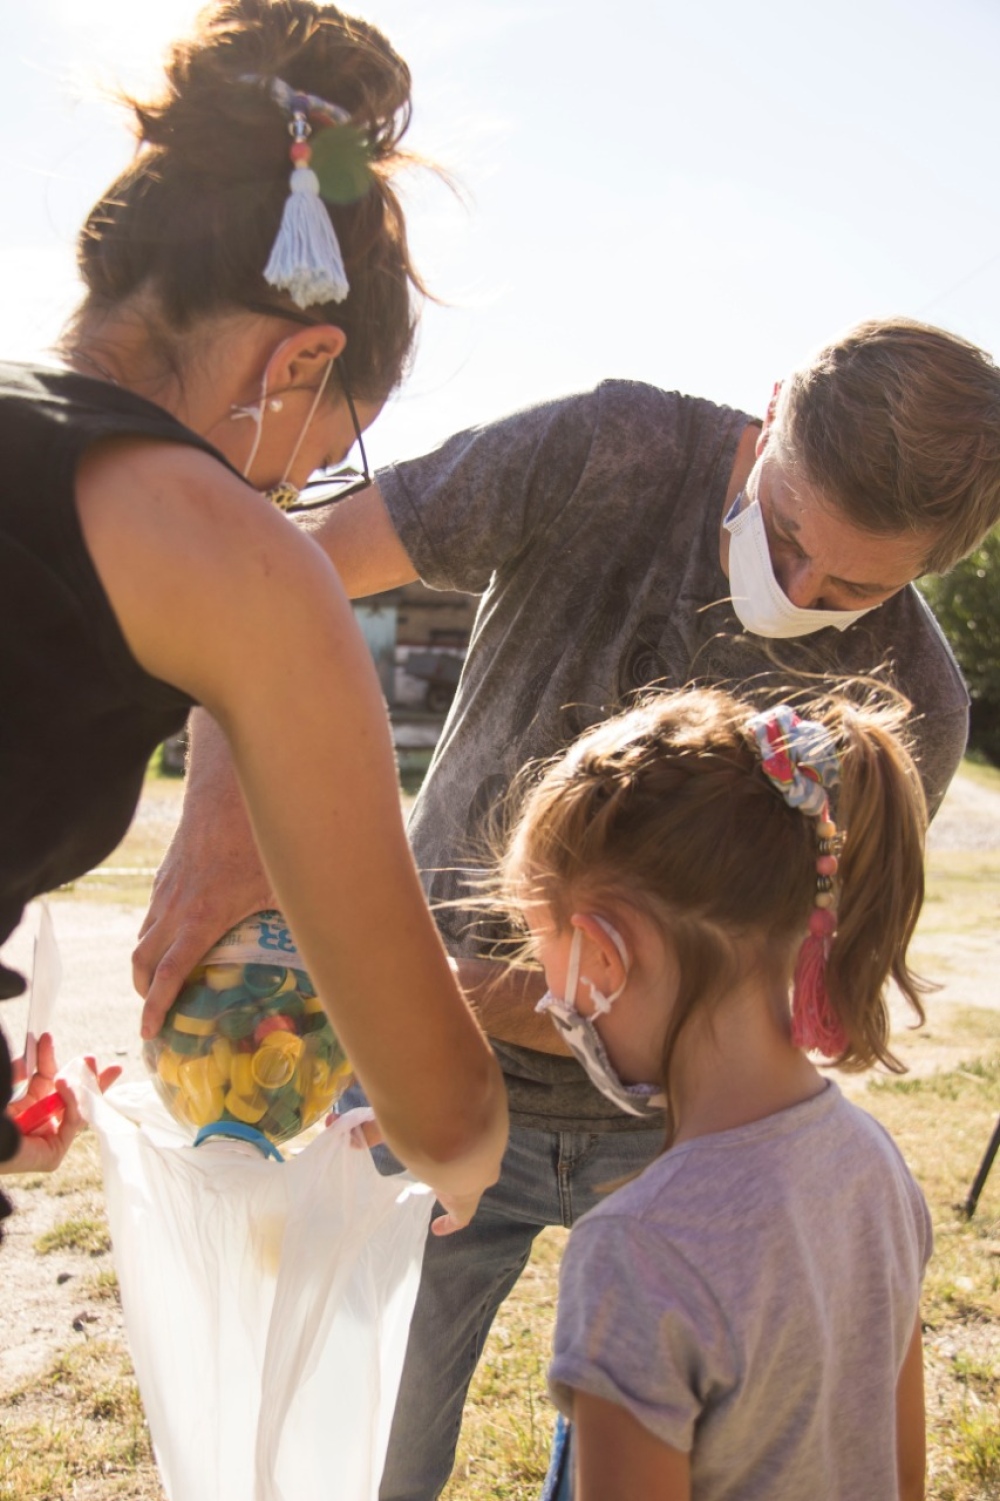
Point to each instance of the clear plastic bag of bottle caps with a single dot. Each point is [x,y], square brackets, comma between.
[247,1042]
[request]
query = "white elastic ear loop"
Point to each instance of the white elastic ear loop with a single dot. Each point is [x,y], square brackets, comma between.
[573,968]
[312,412]
[257,413]
[602,1002]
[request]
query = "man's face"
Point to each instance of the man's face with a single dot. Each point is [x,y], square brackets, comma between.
[821,560]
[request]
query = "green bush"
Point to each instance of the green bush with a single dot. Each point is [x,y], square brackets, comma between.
[966,602]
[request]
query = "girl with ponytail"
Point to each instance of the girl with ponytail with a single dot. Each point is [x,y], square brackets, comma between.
[719,899]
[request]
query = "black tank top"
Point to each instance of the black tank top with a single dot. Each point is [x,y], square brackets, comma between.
[79,718]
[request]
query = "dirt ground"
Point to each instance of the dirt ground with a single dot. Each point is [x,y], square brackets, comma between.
[53,1301]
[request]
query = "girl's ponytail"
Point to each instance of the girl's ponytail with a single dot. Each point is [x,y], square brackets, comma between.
[882,815]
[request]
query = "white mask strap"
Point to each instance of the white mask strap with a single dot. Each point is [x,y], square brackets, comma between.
[257,413]
[573,969]
[312,412]
[602,1002]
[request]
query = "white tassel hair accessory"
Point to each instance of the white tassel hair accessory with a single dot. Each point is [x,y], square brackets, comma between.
[306,260]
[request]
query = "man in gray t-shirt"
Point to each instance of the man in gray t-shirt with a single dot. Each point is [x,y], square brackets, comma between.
[619,539]
[591,528]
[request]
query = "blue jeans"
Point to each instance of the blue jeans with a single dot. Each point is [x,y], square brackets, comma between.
[548,1178]
[559,1480]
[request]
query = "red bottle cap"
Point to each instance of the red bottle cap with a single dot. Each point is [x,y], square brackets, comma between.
[37,1114]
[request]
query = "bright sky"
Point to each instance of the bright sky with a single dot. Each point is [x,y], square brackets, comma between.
[694,194]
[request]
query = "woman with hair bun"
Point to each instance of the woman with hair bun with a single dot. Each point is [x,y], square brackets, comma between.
[249,307]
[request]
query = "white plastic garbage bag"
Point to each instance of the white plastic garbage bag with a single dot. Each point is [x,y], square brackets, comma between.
[267,1303]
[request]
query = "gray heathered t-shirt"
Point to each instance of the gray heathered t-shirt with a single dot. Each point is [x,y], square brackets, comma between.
[590,526]
[750,1298]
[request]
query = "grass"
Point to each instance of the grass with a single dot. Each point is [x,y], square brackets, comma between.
[85,1233]
[78,1432]
[981,771]
[962,894]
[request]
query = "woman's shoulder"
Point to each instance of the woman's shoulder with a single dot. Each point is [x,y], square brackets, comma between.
[66,412]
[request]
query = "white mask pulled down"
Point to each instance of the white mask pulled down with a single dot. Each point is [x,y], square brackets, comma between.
[581,1036]
[763,607]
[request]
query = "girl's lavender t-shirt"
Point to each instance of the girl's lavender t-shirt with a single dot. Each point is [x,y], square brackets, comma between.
[749,1299]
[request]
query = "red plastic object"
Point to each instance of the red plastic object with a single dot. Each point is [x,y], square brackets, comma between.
[37,1114]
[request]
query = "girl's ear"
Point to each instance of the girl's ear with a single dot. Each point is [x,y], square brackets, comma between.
[602,963]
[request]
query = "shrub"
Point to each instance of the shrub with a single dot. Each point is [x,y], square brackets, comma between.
[966,602]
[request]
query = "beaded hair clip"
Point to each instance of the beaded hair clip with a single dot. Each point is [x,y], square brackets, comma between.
[306,260]
[800,759]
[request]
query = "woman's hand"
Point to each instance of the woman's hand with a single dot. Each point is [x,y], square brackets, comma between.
[458,1209]
[42,1150]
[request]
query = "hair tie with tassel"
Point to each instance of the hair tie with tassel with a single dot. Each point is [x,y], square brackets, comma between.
[800,759]
[305,260]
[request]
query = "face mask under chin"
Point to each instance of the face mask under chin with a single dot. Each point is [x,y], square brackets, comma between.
[581,1036]
[760,602]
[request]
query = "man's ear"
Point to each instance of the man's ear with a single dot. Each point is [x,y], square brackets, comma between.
[601,962]
[300,360]
[769,416]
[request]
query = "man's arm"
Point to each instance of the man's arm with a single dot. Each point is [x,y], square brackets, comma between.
[362,544]
[504,1000]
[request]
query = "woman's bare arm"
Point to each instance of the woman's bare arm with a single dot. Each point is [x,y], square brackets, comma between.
[219,596]
[212,875]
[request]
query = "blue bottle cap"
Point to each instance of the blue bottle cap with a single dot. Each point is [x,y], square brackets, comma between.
[240,1132]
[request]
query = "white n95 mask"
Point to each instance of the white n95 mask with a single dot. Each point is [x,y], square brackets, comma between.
[581,1037]
[760,602]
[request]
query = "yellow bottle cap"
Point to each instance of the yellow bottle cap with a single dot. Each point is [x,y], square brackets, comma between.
[274,1065]
[196,1026]
[223,976]
[241,1073]
[167,1065]
[246,1109]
